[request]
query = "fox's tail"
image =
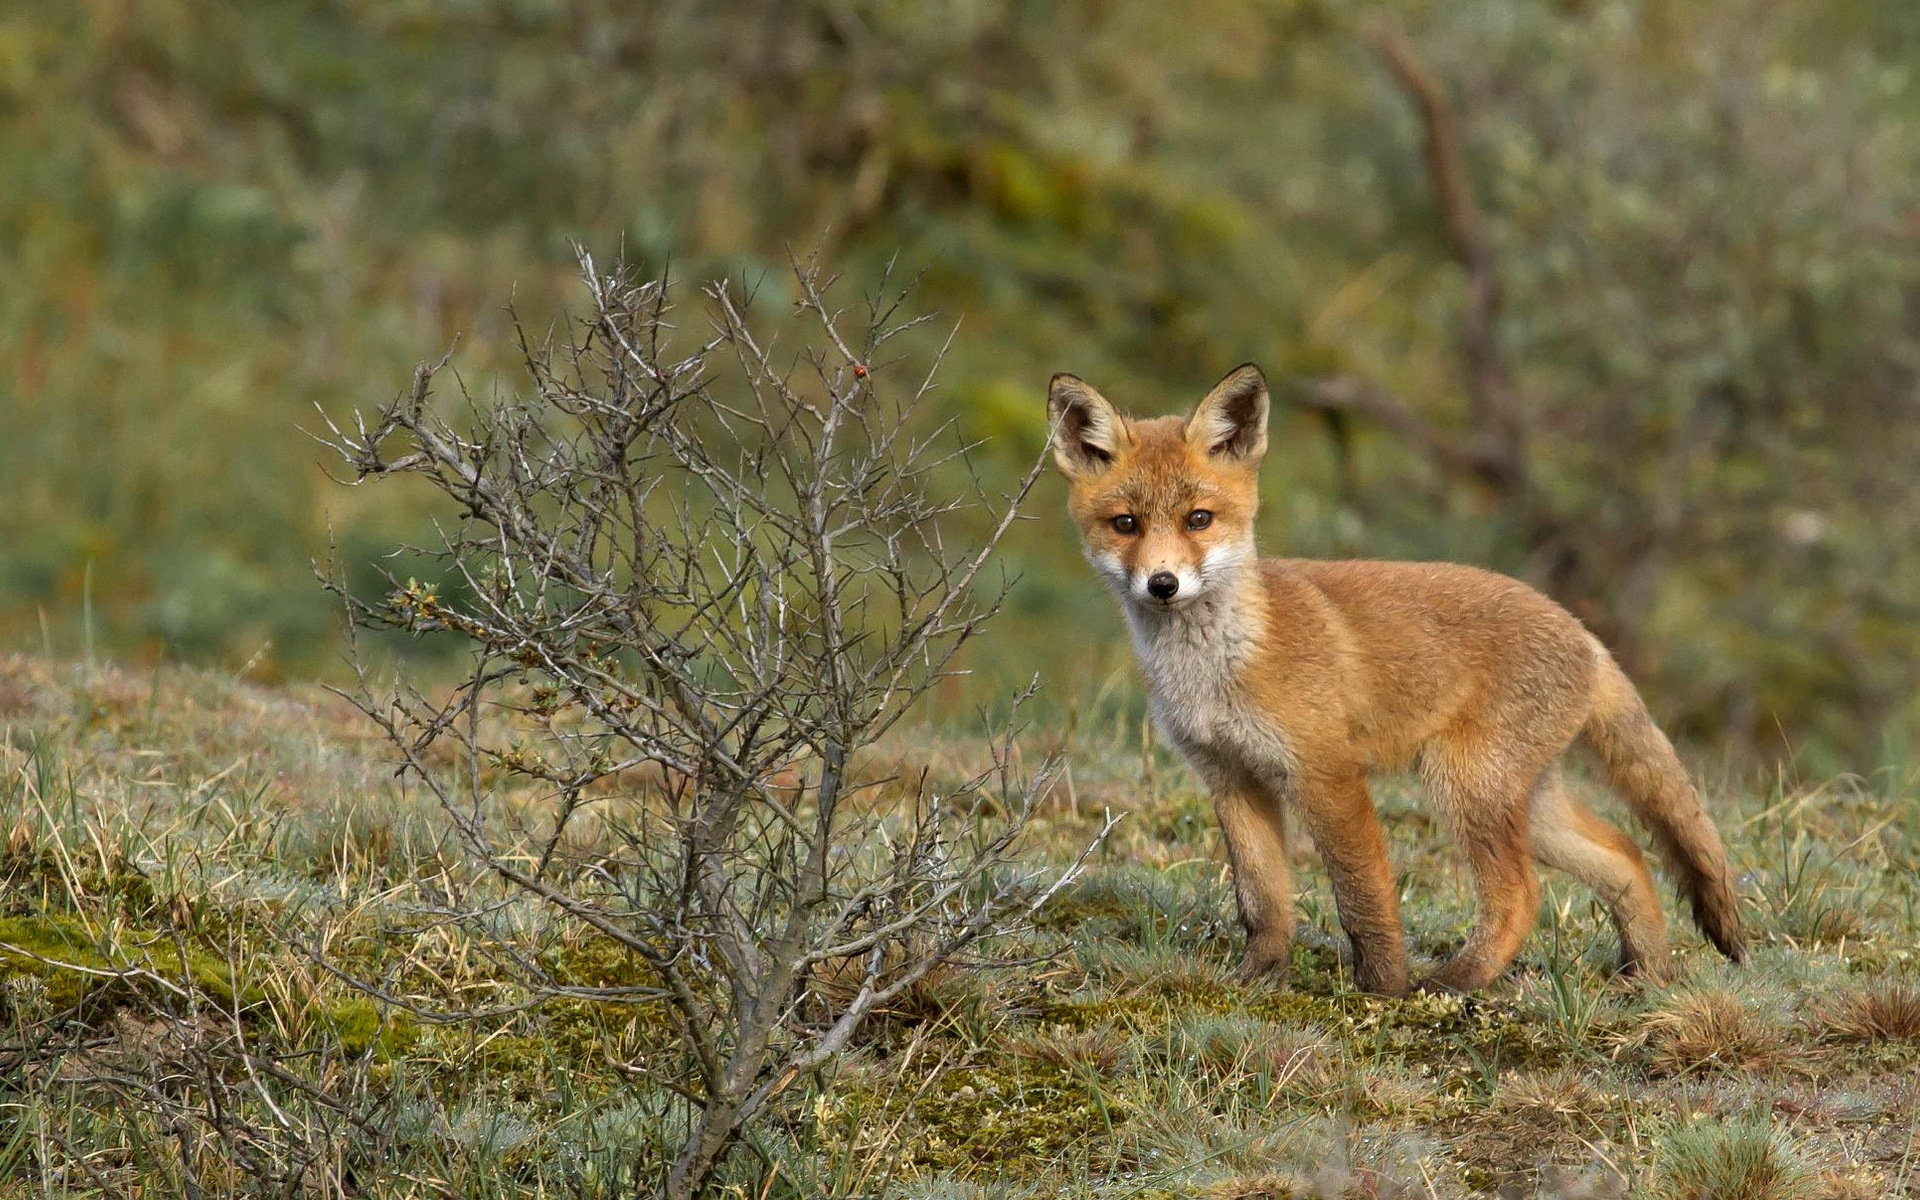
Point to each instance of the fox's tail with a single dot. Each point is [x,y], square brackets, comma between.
[1642,767]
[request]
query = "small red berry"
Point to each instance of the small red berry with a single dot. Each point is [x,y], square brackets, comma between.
[859,371]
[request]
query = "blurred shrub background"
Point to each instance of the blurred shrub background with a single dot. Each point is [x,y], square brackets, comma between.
[1703,218]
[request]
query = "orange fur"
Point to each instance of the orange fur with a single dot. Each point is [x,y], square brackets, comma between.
[1286,682]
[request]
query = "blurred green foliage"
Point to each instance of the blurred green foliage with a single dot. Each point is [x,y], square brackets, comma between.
[214,217]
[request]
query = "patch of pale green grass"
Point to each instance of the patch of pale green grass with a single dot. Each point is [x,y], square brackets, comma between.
[1744,1159]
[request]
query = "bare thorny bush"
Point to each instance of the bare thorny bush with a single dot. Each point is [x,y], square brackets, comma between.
[699,576]
[176,1087]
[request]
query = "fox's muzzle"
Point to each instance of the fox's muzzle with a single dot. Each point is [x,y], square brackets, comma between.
[1163,585]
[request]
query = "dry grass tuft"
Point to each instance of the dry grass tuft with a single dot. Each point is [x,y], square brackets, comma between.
[1303,1058]
[927,999]
[1555,1094]
[1837,1186]
[1538,1119]
[1704,1031]
[1391,1094]
[1255,1187]
[1224,1046]
[1159,972]
[1102,1050]
[1888,1011]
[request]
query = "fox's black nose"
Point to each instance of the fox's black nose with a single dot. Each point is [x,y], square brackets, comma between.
[1161,585]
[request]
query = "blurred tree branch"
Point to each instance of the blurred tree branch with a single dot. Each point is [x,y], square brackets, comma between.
[1492,450]
[1498,415]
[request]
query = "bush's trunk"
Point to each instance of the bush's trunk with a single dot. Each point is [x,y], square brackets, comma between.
[693,1169]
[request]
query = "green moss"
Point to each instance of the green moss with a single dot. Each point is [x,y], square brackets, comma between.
[574,1043]
[588,1031]
[362,1026]
[40,879]
[1433,1031]
[1137,1012]
[1069,913]
[1457,1043]
[592,960]
[72,958]
[520,1066]
[1017,1115]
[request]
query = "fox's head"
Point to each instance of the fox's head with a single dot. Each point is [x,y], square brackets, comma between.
[1165,506]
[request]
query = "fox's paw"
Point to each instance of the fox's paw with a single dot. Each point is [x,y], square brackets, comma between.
[1459,976]
[1648,968]
[1380,974]
[1266,957]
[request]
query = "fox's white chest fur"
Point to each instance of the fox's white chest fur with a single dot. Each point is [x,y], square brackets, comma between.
[1195,658]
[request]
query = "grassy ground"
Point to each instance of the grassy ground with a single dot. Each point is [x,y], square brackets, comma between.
[185,856]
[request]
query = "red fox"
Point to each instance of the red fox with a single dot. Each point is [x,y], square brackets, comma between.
[1285,682]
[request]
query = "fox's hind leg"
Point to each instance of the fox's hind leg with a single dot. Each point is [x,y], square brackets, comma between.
[1567,836]
[1484,797]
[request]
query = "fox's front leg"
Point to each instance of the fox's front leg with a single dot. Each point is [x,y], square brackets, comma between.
[1254,823]
[1339,813]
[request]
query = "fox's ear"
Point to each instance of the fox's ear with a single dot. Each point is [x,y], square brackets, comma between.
[1087,432]
[1232,421]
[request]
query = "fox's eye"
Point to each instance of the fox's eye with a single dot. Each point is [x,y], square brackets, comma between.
[1125,523]
[1199,518]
